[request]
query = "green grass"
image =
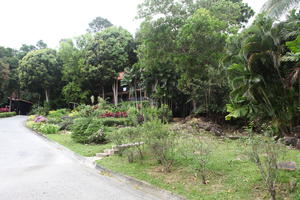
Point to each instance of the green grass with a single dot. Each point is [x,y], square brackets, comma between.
[229,177]
[81,149]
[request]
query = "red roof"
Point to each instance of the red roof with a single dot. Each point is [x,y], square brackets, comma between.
[121,75]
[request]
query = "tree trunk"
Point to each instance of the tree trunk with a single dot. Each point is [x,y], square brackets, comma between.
[103,93]
[194,105]
[47,95]
[115,92]
[10,103]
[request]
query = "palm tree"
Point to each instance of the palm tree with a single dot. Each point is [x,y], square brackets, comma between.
[276,8]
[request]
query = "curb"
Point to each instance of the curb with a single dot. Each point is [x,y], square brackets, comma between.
[141,185]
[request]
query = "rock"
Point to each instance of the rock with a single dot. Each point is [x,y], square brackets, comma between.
[288,166]
[298,144]
[233,137]
[101,155]
[217,131]
[290,140]
[208,128]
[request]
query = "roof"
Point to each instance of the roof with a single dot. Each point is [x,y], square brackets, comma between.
[13,99]
[121,75]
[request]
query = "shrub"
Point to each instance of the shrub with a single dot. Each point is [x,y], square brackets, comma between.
[88,130]
[58,113]
[197,153]
[162,113]
[40,110]
[161,142]
[48,128]
[7,114]
[66,123]
[129,135]
[4,110]
[266,154]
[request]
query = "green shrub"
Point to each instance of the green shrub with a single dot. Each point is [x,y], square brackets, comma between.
[88,130]
[161,142]
[163,113]
[7,114]
[39,110]
[48,128]
[129,135]
[66,123]
[58,113]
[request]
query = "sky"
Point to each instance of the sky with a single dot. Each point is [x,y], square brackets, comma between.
[27,21]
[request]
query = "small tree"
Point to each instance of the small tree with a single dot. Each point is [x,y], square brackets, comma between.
[265,154]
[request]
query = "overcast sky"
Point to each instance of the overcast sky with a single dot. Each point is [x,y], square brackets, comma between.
[27,21]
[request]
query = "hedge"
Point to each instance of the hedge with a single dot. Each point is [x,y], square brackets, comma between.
[7,114]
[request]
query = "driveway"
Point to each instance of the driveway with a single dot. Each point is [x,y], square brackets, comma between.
[32,168]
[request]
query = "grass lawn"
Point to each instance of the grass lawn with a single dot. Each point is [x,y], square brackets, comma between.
[231,174]
[81,149]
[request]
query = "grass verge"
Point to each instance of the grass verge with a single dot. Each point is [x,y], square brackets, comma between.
[82,149]
[231,174]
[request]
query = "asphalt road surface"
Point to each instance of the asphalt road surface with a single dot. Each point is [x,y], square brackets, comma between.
[32,168]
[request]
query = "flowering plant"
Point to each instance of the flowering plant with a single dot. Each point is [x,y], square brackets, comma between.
[4,110]
[40,119]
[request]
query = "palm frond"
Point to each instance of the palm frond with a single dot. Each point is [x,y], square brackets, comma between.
[276,8]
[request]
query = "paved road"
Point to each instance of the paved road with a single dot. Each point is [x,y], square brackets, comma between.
[33,169]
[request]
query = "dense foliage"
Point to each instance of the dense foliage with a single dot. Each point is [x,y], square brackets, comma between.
[196,57]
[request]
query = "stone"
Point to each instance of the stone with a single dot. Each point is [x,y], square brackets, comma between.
[288,166]
[101,155]
[290,140]
[233,137]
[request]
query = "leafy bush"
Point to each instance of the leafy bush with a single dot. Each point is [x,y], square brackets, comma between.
[162,113]
[88,130]
[66,123]
[129,135]
[48,128]
[58,113]
[161,142]
[40,110]
[7,114]
[4,110]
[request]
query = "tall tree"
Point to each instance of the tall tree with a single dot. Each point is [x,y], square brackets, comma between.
[41,44]
[201,45]
[40,69]
[111,51]
[98,24]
